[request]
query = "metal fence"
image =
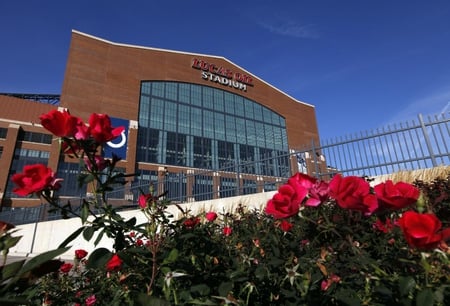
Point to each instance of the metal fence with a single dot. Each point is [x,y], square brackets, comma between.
[418,144]
[406,146]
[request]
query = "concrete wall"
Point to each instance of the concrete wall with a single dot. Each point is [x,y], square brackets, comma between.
[45,236]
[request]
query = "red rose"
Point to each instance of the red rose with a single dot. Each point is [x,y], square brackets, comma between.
[211,216]
[303,180]
[35,178]
[285,203]
[114,264]
[80,254]
[396,196]
[91,300]
[422,230]
[286,226]
[353,192]
[62,124]
[100,128]
[191,222]
[66,267]
[325,284]
[144,199]
[227,231]
[318,193]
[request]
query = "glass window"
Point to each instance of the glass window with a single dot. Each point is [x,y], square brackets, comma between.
[34,137]
[203,187]
[69,173]
[156,114]
[229,103]
[144,114]
[204,127]
[251,132]
[196,95]
[249,113]
[3,132]
[240,130]
[258,112]
[208,124]
[146,88]
[158,89]
[228,187]
[170,116]
[218,100]
[196,122]
[230,128]
[184,118]
[219,126]
[184,93]
[239,105]
[171,91]
[208,101]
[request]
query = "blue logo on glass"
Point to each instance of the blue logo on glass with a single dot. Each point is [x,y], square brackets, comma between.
[118,146]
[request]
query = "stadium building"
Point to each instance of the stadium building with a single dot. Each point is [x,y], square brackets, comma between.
[198,126]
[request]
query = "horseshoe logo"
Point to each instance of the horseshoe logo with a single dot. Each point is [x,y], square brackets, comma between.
[120,144]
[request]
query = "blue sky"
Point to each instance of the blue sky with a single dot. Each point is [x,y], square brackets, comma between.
[363,64]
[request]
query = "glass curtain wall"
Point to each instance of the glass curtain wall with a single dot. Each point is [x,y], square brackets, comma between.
[196,126]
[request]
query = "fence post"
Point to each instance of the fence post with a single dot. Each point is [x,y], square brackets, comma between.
[427,141]
[316,166]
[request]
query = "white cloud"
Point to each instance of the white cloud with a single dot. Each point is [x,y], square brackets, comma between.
[292,29]
[434,103]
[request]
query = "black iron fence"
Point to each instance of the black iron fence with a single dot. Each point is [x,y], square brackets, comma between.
[419,144]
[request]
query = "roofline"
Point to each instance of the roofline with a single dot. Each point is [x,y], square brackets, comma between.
[189,53]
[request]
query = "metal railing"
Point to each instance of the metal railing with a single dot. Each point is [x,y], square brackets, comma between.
[412,145]
[406,146]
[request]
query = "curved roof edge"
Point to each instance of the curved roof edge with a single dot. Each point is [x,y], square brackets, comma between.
[190,53]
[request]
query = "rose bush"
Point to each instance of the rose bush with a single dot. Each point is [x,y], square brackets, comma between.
[336,242]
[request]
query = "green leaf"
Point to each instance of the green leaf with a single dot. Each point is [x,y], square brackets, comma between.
[98,258]
[40,259]
[346,297]
[260,272]
[425,298]
[406,284]
[439,294]
[84,178]
[11,269]
[11,241]
[131,222]
[200,302]
[88,233]
[84,211]
[383,291]
[99,237]
[119,241]
[173,255]
[225,288]
[7,301]
[71,238]
[147,300]
[201,289]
